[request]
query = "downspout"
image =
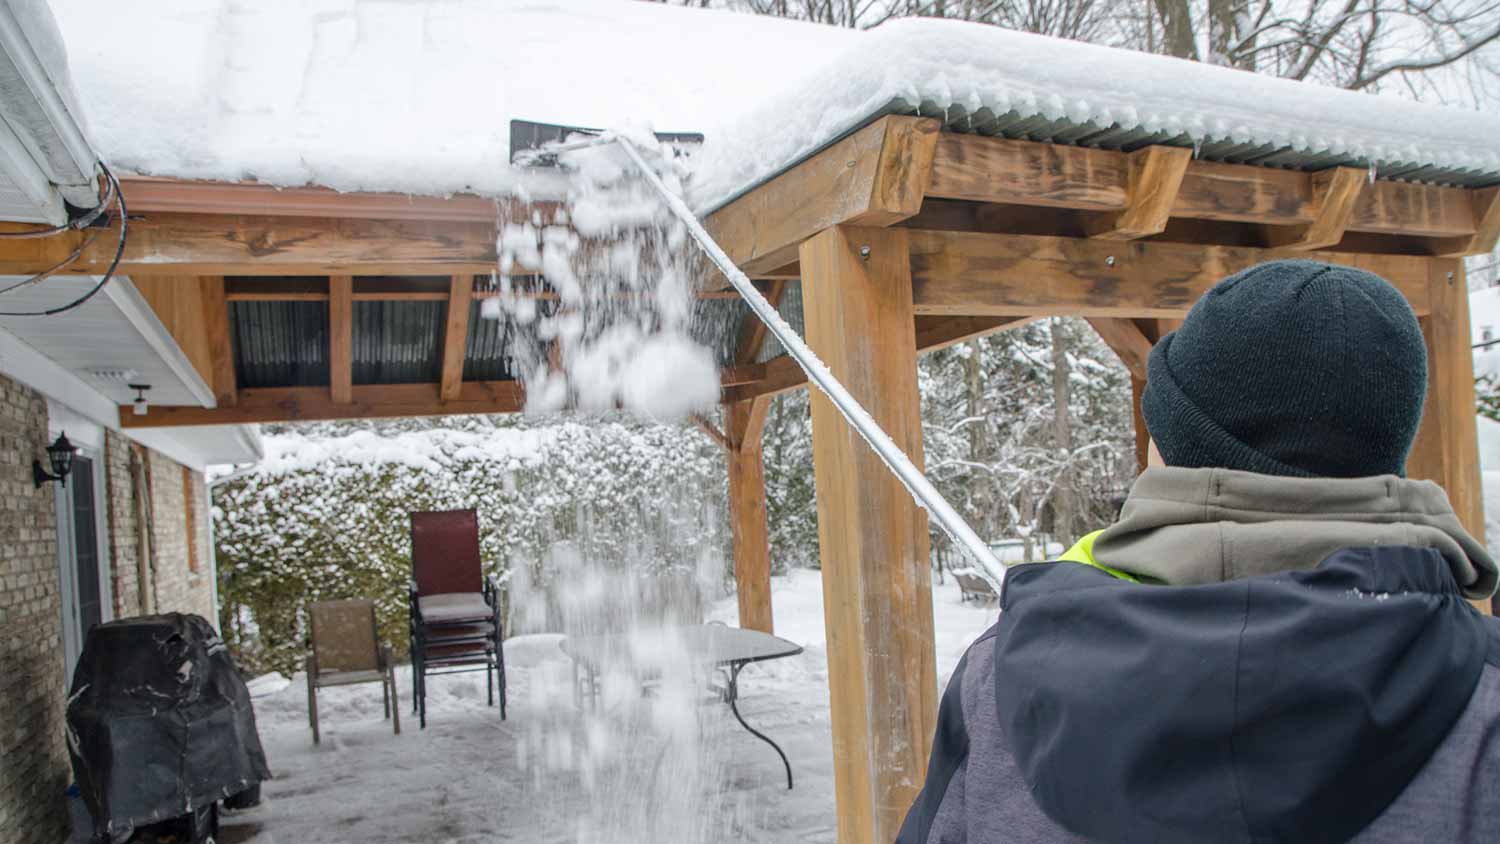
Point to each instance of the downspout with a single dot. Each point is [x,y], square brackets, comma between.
[140,475]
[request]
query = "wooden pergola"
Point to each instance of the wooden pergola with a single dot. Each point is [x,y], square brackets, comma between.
[903,238]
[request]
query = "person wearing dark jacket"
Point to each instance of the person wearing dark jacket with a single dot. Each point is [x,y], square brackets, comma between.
[1274,642]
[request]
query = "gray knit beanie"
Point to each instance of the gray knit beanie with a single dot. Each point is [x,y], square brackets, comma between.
[1291,368]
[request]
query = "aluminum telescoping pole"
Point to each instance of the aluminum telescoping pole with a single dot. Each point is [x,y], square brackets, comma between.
[925,494]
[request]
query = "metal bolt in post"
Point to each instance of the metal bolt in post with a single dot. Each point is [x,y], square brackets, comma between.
[1109,261]
[864,252]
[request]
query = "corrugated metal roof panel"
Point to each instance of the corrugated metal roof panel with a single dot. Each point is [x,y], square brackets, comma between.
[398,342]
[490,355]
[280,344]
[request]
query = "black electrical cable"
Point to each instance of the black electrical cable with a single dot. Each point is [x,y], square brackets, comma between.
[81,222]
[119,197]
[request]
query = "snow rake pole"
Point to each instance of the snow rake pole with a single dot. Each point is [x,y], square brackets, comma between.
[922,490]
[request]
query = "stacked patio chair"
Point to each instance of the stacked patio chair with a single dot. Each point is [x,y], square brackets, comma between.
[346,650]
[455,609]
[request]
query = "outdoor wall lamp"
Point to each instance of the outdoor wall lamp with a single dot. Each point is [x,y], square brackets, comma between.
[60,456]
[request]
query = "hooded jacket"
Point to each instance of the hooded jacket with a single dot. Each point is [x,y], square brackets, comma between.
[1242,658]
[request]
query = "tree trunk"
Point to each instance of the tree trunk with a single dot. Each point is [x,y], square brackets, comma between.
[1062,499]
[1177,29]
[974,408]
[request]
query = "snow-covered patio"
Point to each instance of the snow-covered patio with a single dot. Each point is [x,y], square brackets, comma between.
[467,777]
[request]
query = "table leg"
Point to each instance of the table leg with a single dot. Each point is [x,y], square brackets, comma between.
[733,697]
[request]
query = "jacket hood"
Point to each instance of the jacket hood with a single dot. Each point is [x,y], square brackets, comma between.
[1192,526]
[1290,707]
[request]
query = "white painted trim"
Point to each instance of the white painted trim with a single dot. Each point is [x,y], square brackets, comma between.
[17,163]
[43,87]
[41,373]
[67,564]
[139,312]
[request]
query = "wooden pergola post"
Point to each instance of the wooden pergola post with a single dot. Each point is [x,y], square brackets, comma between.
[745,421]
[877,602]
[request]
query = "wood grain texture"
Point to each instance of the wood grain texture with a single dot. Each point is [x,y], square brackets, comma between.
[940,332]
[1336,196]
[1001,170]
[745,421]
[1446,450]
[341,338]
[753,334]
[1487,228]
[220,346]
[366,401]
[968,274]
[1154,177]
[178,303]
[873,539]
[456,334]
[1126,340]
[875,176]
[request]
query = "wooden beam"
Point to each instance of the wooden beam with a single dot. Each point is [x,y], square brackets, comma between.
[1337,193]
[873,539]
[456,334]
[1013,172]
[1127,341]
[178,303]
[341,338]
[1446,450]
[940,332]
[1487,230]
[153,194]
[745,421]
[967,274]
[1154,176]
[777,376]
[876,176]
[206,244]
[220,346]
[753,335]
[367,401]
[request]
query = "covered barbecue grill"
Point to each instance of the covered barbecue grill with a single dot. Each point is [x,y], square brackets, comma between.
[159,723]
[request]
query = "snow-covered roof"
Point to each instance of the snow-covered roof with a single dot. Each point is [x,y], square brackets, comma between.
[417,96]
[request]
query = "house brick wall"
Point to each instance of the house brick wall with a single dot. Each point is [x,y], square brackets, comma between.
[178,588]
[34,766]
[124,545]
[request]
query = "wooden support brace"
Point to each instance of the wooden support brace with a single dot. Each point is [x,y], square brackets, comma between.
[1127,341]
[1487,233]
[753,336]
[220,348]
[1155,176]
[341,338]
[1337,193]
[713,433]
[456,334]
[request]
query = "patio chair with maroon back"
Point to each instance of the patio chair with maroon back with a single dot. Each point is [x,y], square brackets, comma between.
[455,609]
[346,650]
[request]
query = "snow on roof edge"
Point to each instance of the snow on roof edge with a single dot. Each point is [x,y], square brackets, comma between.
[908,66]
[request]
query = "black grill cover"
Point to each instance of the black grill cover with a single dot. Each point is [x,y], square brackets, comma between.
[159,722]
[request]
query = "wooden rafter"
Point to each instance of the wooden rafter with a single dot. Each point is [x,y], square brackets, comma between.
[1125,338]
[1337,193]
[220,348]
[1153,178]
[456,335]
[1000,170]
[150,194]
[874,177]
[968,274]
[341,339]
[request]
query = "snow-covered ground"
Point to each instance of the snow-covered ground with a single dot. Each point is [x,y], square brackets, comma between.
[469,777]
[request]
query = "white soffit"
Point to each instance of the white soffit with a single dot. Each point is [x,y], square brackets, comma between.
[200,446]
[115,330]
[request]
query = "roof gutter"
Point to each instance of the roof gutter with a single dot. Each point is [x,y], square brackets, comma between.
[42,145]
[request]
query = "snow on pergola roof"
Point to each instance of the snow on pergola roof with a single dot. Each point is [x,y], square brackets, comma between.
[416,97]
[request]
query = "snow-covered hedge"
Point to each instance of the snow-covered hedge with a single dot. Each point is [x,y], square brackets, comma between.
[324,516]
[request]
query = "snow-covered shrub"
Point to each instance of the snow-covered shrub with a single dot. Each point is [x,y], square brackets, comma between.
[325,515]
